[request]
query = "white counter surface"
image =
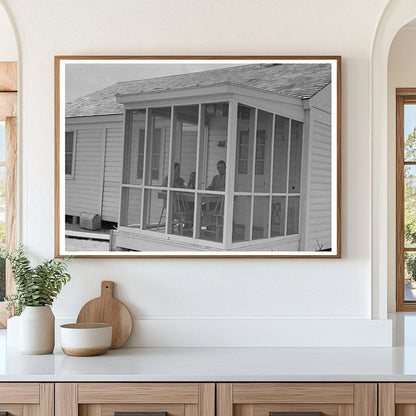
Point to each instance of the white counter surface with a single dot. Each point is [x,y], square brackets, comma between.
[222,364]
[215,364]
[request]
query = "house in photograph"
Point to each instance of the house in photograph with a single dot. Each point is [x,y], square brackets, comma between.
[236,159]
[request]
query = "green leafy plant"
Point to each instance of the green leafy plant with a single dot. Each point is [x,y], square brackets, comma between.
[35,285]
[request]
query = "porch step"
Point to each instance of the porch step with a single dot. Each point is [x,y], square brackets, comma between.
[85,235]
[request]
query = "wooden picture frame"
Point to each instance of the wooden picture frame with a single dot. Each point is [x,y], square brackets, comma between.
[198,156]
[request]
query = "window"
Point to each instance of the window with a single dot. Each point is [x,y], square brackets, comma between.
[267,198]
[260,152]
[70,145]
[243,153]
[406,200]
[175,170]
[8,164]
[157,155]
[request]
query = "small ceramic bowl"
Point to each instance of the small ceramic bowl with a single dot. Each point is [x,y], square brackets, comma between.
[83,340]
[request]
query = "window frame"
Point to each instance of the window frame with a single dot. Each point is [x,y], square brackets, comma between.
[230,192]
[8,113]
[403,96]
[74,150]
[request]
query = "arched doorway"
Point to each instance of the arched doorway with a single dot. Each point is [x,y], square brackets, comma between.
[396,15]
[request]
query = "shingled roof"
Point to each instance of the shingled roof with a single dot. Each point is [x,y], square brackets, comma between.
[292,80]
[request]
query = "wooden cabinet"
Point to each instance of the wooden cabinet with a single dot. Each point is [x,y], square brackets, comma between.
[397,399]
[106,399]
[27,399]
[208,399]
[264,399]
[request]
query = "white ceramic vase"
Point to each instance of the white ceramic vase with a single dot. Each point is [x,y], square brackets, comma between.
[37,330]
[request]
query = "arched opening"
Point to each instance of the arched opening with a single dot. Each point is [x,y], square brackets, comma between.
[401,94]
[395,17]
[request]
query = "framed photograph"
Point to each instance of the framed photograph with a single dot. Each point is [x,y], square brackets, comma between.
[198,156]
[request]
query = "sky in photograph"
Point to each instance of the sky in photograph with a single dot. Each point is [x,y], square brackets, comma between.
[84,78]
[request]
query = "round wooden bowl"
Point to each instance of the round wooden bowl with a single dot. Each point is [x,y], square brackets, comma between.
[84,340]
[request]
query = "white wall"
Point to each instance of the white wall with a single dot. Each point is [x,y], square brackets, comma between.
[276,301]
[8,46]
[401,74]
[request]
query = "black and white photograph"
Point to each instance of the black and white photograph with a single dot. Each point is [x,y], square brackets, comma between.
[198,157]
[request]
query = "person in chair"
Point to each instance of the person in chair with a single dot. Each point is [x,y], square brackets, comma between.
[218,181]
[178,182]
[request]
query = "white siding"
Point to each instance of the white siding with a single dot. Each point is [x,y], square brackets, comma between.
[318,209]
[92,190]
[82,193]
[112,173]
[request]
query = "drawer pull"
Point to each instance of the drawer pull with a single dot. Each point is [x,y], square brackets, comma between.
[140,414]
[295,413]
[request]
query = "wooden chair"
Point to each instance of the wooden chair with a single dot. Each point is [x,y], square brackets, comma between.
[183,213]
[162,195]
[213,218]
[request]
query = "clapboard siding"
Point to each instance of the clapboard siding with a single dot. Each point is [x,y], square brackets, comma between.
[318,211]
[112,173]
[82,193]
[92,190]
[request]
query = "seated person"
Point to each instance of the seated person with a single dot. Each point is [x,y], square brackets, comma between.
[191,182]
[218,181]
[178,182]
[215,209]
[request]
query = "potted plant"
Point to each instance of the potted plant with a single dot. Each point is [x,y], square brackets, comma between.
[36,289]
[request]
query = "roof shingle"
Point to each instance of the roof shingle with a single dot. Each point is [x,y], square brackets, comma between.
[293,80]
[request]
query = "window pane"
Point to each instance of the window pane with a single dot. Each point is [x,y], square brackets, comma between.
[213,148]
[158,146]
[140,154]
[245,144]
[134,147]
[68,164]
[241,220]
[212,217]
[261,217]
[185,140]
[131,207]
[2,141]
[410,206]
[181,213]
[295,156]
[2,209]
[409,132]
[278,216]
[155,210]
[69,152]
[281,141]
[263,156]
[409,275]
[69,141]
[293,215]
[2,205]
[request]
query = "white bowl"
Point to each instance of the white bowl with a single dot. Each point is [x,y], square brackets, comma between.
[84,340]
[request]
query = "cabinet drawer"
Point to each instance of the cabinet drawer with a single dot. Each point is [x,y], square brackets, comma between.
[297,399]
[146,399]
[21,399]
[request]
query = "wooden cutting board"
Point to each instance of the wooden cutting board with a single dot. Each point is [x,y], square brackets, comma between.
[108,310]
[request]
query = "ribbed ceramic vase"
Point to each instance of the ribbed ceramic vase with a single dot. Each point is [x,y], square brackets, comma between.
[37,330]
